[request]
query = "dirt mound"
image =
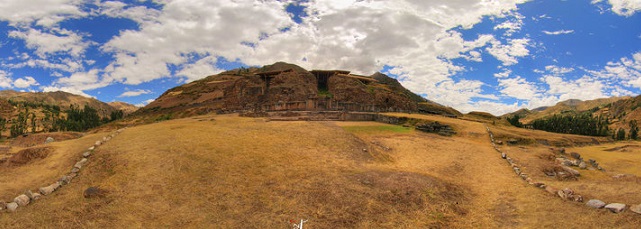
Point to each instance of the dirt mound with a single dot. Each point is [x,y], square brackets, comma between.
[26,156]
[37,139]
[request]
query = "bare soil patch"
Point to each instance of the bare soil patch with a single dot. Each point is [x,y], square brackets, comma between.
[38,139]
[28,155]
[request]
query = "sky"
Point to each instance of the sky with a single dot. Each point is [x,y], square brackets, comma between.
[496,56]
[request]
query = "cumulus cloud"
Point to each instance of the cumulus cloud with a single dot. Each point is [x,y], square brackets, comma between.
[509,53]
[134,93]
[25,82]
[57,41]
[518,88]
[45,13]
[512,25]
[623,7]
[5,79]
[626,70]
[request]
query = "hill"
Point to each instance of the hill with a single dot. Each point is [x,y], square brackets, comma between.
[568,107]
[287,87]
[228,171]
[125,107]
[59,98]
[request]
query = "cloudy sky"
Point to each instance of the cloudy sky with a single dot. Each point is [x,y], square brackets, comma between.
[487,55]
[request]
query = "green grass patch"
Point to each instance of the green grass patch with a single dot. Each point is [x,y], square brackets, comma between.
[377,129]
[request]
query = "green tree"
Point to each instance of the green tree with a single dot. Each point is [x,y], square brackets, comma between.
[620,134]
[634,130]
[3,125]
[115,115]
[515,121]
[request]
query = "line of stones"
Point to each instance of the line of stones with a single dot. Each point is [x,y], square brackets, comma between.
[566,193]
[29,196]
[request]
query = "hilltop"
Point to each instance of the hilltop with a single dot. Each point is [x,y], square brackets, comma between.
[59,98]
[568,107]
[287,87]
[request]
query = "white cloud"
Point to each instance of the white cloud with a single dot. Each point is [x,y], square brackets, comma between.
[58,41]
[556,70]
[559,32]
[144,103]
[45,13]
[25,82]
[200,69]
[134,93]
[623,7]
[584,88]
[625,70]
[5,79]
[518,88]
[504,74]
[511,25]
[139,14]
[508,53]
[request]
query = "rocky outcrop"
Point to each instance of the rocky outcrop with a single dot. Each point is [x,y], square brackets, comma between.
[436,127]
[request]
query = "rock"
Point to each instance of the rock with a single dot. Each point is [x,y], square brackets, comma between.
[12,207]
[503,155]
[562,194]
[577,198]
[36,196]
[80,163]
[517,170]
[636,208]
[512,141]
[571,171]
[92,192]
[551,190]
[65,179]
[22,200]
[98,143]
[558,150]
[539,185]
[594,203]
[75,170]
[615,207]
[46,190]
[86,154]
[436,127]
[49,140]
[575,155]
[593,163]
[29,194]
[583,165]
[91,148]
[567,163]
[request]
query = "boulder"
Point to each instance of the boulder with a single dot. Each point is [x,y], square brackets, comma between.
[86,154]
[636,208]
[571,171]
[575,155]
[22,200]
[46,190]
[49,140]
[615,207]
[36,196]
[80,163]
[583,165]
[503,155]
[594,203]
[12,207]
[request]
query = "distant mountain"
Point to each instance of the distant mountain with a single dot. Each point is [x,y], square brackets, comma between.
[572,106]
[125,107]
[287,87]
[62,99]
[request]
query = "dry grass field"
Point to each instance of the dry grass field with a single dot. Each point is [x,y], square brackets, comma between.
[226,171]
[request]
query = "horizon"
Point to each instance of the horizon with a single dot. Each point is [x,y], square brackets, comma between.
[496,57]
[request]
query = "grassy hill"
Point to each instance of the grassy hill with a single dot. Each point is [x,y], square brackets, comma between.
[231,172]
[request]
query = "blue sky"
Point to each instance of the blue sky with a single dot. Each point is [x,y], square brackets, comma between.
[495,56]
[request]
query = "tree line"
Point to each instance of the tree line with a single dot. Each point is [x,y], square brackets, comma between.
[582,124]
[55,119]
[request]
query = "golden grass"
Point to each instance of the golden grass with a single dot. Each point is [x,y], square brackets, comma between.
[231,172]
